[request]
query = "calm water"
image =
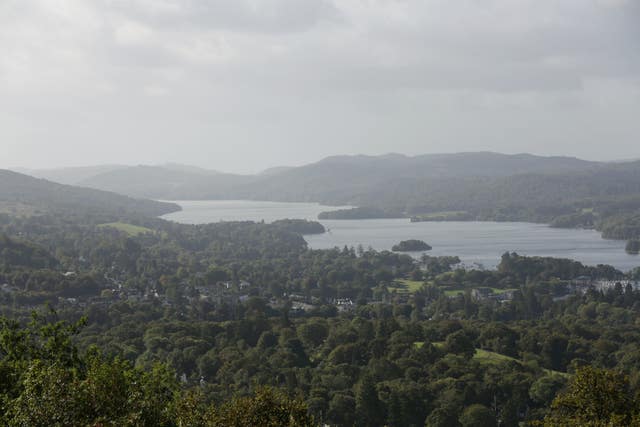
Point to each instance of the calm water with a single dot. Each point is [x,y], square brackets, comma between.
[206,211]
[474,242]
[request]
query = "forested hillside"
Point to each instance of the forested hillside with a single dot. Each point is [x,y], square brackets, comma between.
[70,175]
[168,182]
[22,194]
[392,181]
[333,180]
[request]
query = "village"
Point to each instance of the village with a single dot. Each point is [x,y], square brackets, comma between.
[230,293]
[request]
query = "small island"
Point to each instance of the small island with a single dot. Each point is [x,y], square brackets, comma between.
[412,245]
[633,247]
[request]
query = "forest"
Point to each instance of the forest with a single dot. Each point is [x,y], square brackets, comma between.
[200,324]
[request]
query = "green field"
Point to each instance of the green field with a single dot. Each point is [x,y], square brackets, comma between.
[486,357]
[501,291]
[490,357]
[17,209]
[411,286]
[130,229]
[406,286]
[454,292]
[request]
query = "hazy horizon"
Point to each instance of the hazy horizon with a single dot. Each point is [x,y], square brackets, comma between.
[267,168]
[241,86]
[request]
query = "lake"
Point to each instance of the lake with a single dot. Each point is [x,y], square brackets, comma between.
[206,211]
[479,243]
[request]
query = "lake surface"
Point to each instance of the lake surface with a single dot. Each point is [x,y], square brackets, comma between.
[479,243]
[206,211]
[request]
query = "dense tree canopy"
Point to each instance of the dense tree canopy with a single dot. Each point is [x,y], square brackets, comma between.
[186,325]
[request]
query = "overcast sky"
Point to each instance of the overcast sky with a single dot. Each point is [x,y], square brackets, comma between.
[241,85]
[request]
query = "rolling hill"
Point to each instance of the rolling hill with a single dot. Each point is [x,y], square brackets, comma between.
[482,185]
[333,180]
[167,183]
[394,179]
[25,195]
[71,175]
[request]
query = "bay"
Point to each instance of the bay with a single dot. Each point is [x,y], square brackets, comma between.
[476,243]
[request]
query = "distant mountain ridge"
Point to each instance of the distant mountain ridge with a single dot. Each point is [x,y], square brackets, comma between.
[335,179]
[25,195]
[351,179]
[275,170]
[71,175]
[166,183]
[480,185]
[178,167]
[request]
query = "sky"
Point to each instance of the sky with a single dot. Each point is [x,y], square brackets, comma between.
[243,85]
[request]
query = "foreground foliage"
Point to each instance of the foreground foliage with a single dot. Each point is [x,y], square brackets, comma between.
[595,398]
[45,382]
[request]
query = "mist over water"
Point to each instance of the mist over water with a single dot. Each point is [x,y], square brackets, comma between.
[479,243]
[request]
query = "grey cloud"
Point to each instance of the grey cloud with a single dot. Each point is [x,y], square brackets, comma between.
[210,82]
[279,16]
